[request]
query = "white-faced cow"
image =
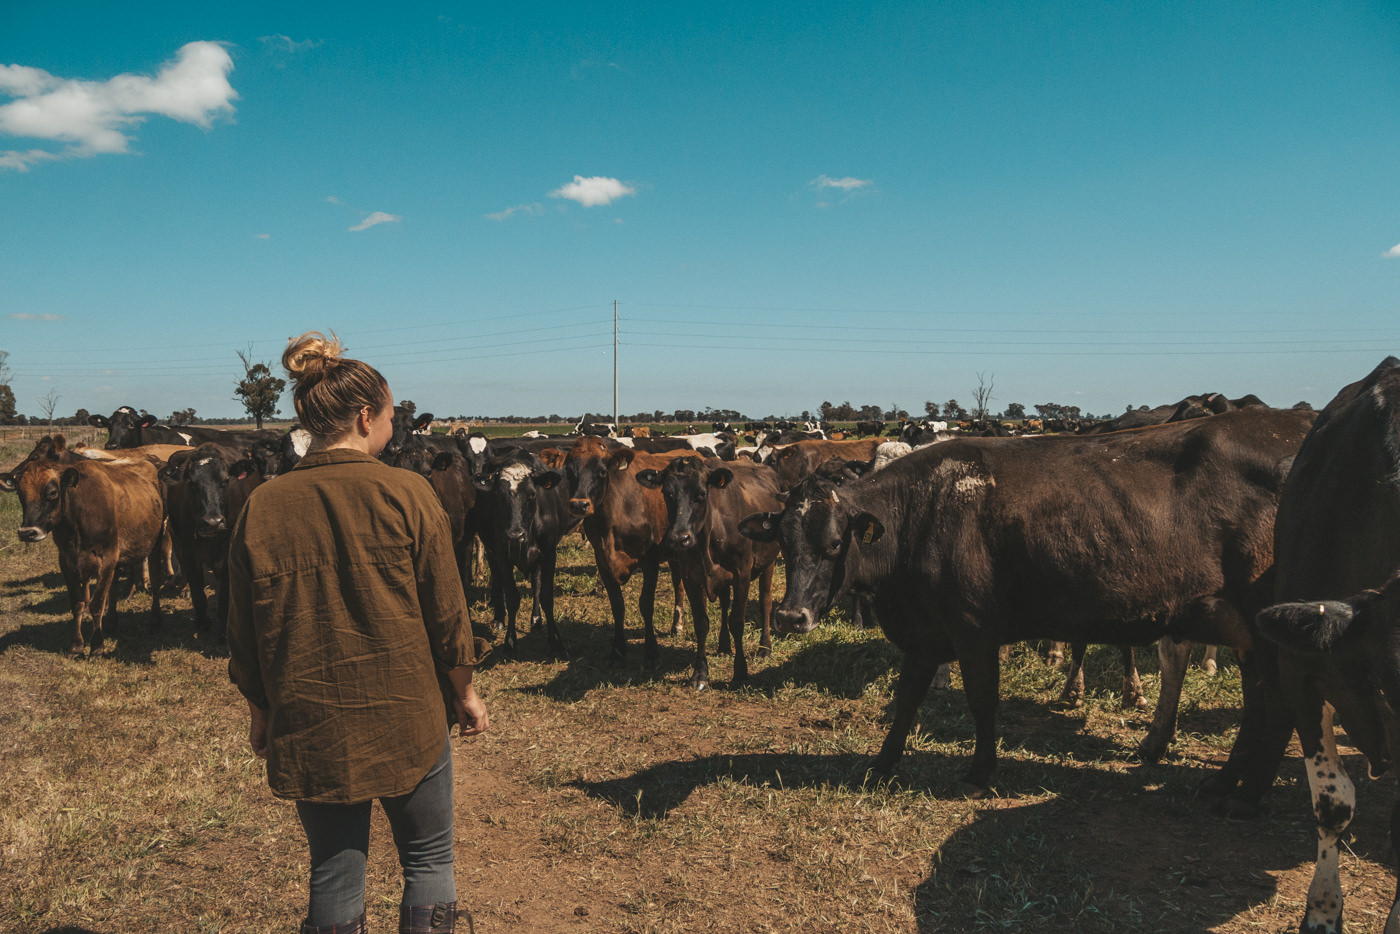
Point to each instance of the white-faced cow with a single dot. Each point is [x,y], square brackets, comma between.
[1337,543]
[976,543]
[524,515]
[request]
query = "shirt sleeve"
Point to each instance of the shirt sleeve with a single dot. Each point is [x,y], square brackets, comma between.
[446,615]
[244,669]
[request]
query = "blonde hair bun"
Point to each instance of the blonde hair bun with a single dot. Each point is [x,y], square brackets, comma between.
[307,358]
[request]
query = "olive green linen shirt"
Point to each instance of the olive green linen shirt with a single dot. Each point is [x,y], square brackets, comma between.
[344,604]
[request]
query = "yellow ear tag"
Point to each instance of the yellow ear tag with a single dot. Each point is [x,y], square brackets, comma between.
[868,536]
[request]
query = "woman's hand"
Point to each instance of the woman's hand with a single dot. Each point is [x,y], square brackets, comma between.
[471,709]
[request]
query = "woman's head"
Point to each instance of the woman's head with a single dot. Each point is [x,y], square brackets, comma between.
[332,390]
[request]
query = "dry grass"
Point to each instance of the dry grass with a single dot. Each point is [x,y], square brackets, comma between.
[606,801]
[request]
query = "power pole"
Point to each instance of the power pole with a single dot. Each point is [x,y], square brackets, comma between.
[615,426]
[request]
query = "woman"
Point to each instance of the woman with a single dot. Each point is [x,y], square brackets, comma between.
[345,607]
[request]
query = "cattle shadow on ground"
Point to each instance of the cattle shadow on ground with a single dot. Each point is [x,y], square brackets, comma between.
[69,929]
[132,642]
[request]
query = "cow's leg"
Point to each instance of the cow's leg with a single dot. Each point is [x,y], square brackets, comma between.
[78,591]
[619,614]
[915,675]
[194,576]
[700,619]
[544,596]
[943,677]
[499,570]
[1056,657]
[726,599]
[981,674]
[155,567]
[651,569]
[1072,695]
[100,603]
[1132,684]
[1208,664]
[765,611]
[1266,726]
[1334,803]
[1392,923]
[736,625]
[511,592]
[678,595]
[1175,658]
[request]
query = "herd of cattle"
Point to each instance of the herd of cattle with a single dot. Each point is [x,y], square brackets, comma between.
[1225,522]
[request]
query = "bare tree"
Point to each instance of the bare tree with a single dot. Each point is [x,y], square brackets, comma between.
[47,404]
[982,396]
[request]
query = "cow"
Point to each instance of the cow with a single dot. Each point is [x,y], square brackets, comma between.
[278,454]
[127,428]
[101,514]
[524,515]
[450,475]
[976,543]
[201,505]
[864,428]
[795,462]
[407,425]
[1337,546]
[624,522]
[705,500]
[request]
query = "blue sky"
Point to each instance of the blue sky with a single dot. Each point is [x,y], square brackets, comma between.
[1089,204]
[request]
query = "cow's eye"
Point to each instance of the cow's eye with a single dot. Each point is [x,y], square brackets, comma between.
[834,546]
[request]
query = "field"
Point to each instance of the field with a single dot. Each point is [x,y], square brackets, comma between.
[603,800]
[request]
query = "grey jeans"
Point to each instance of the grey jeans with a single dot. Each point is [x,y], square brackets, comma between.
[338,835]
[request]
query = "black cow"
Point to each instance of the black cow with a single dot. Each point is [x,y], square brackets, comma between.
[1337,538]
[705,501]
[975,543]
[127,428]
[204,488]
[869,428]
[524,515]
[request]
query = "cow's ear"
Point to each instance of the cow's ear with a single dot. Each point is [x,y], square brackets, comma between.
[547,480]
[720,478]
[169,473]
[7,482]
[866,529]
[622,458]
[147,422]
[651,479]
[242,469]
[787,452]
[422,421]
[761,526]
[70,477]
[483,482]
[1311,627]
[99,421]
[443,460]
[552,457]
[859,468]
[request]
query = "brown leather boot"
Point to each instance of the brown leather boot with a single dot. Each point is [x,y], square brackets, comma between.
[357,926]
[433,919]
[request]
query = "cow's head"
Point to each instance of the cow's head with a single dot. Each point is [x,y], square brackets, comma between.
[685,484]
[41,486]
[124,427]
[511,485]
[1356,643]
[816,532]
[206,473]
[588,468]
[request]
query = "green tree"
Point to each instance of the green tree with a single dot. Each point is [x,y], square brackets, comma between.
[259,390]
[7,404]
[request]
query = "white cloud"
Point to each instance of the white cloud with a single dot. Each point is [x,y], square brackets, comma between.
[1393,252]
[30,316]
[845,184]
[378,217]
[280,43]
[94,117]
[332,199]
[594,191]
[535,208]
[262,236]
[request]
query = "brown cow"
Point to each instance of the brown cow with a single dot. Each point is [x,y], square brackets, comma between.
[624,522]
[705,501]
[795,462]
[101,514]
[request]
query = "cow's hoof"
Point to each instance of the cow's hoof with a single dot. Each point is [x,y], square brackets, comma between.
[700,684]
[764,652]
[1208,668]
[1151,751]
[1134,701]
[1069,702]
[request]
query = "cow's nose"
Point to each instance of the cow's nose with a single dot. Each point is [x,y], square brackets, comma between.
[581,507]
[793,621]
